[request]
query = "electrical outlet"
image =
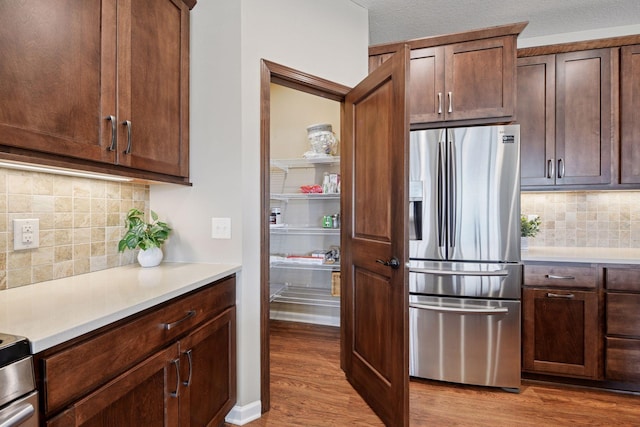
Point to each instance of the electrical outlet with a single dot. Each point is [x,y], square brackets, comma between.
[26,234]
[220,228]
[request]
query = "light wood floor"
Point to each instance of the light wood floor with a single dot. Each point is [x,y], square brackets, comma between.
[309,389]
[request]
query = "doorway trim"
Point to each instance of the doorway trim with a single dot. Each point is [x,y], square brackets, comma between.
[271,72]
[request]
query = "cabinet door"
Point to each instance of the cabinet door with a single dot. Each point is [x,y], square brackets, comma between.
[480,79]
[153,73]
[57,77]
[630,115]
[583,117]
[145,395]
[208,360]
[560,333]
[535,112]
[426,85]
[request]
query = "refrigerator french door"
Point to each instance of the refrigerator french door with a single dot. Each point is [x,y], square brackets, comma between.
[465,271]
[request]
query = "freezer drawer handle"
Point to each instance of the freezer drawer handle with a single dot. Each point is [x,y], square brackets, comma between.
[500,310]
[567,296]
[393,263]
[459,273]
[15,417]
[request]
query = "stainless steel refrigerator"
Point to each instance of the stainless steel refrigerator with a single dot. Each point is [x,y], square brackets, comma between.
[465,270]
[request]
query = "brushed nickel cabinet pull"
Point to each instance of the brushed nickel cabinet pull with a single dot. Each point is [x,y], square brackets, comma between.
[187,383]
[169,326]
[550,168]
[450,102]
[127,123]
[560,168]
[176,363]
[112,146]
[565,296]
[439,102]
[553,276]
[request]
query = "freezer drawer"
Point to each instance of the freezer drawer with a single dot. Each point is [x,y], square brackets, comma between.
[468,341]
[465,279]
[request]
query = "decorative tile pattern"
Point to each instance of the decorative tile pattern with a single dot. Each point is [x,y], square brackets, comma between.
[585,219]
[81,222]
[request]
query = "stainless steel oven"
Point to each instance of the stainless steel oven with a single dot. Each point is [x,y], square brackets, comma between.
[18,395]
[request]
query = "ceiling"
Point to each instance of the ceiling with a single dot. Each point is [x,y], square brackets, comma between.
[396,20]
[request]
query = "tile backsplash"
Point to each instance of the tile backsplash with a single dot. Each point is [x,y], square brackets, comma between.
[585,219]
[81,222]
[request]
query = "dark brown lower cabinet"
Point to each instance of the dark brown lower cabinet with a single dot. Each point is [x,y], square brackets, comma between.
[622,344]
[560,332]
[208,364]
[174,365]
[145,395]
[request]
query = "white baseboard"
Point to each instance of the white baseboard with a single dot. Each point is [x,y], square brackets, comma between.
[241,415]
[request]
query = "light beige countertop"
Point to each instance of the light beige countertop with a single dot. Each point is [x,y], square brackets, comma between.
[587,255]
[52,312]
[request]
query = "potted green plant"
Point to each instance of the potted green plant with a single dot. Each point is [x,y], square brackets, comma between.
[148,236]
[529,227]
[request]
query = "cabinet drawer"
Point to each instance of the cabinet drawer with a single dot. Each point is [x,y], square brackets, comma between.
[623,314]
[622,279]
[76,370]
[623,360]
[560,276]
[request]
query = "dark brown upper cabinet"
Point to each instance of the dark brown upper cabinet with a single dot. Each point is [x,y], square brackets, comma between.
[96,85]
[630,115]
[566,109]
[463,81]
[536,111]
[460,79]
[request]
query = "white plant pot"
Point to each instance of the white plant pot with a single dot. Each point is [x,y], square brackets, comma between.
[150,257]
[524,243]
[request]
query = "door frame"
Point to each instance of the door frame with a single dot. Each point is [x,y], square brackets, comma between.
[270,72]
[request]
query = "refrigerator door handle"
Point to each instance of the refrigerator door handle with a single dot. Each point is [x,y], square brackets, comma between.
[452,191]
[441,172]
[437,272]
[497,310]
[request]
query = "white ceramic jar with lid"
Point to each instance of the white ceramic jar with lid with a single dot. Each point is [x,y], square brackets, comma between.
[322,140]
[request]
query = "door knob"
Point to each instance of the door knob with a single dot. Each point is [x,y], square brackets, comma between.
[393,263]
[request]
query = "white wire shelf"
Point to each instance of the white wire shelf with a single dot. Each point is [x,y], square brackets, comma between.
[302,295]
[302,230]
[302,266]
[305,196]
[286,164]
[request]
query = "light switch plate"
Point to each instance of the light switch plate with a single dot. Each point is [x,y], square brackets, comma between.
[26,234]
[220,228]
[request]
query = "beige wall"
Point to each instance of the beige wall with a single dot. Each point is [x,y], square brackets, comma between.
[291,112]
[81,222]
[585,219]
